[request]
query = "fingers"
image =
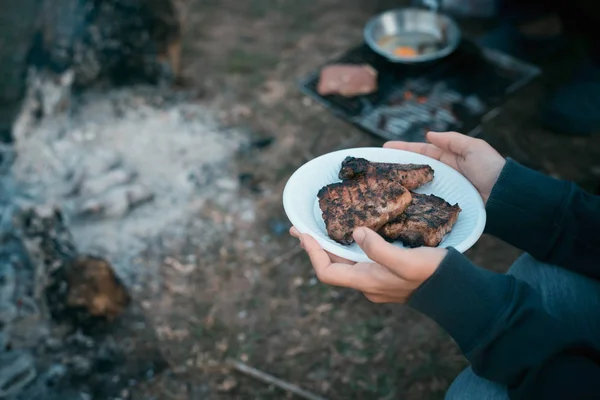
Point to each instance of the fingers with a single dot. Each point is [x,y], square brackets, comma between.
[318,257]
[338,259]
[422,148]
[356,276]
[453,142]
[377,249]
[376,298]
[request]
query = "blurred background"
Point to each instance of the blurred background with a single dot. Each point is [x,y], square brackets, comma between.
[160,134]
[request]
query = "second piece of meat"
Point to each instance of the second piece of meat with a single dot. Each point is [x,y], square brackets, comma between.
[424,223]
[370,200]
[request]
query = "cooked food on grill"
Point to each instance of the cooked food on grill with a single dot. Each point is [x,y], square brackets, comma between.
[379,196]
[411,45]
[411,176]
[425,222]
[348,80]
[370,200]
[405,51]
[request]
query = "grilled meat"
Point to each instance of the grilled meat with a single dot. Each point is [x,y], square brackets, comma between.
[347,80]
[411,176]
[424,223]
[370,200]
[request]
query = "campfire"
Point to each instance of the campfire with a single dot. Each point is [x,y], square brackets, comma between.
[99,166]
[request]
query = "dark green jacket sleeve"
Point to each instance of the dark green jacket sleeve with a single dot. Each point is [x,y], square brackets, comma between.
[499,321]
[553,220]
[502,328]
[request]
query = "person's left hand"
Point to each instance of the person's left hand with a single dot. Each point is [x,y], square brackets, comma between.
[392,278]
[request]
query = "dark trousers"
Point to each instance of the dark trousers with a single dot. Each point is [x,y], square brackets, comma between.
[571,298]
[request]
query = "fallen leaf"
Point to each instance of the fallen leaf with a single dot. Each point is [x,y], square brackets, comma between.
[294,351]
[274,91]
[184,269]
[222,345]
[323,308]
[227,385]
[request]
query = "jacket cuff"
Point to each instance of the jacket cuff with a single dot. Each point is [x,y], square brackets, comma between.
[525,207]
[463,298]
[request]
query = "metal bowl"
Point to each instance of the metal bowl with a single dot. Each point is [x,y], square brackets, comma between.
[431,35]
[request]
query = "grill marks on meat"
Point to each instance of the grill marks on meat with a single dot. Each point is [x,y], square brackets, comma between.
[411,176]
[370,200]
[424,223]
[379,196]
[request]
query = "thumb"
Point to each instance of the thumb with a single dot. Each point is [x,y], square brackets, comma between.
[377,249]
[452,142]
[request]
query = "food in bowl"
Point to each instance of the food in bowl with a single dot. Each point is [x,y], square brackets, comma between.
[348,80]
[412,44]
[380,196]
[412,35]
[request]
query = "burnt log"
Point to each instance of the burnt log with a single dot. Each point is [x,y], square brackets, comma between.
[84,43]
[50,346]
[78,288]
[121,40]
[85,290]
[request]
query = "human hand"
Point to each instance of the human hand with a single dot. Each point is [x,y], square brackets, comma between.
[392,278]
[474,158]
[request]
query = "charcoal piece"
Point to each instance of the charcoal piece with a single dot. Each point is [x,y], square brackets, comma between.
[382,122]
[416,133]
[17,370]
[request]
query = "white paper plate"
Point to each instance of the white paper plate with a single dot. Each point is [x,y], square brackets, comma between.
[302,207]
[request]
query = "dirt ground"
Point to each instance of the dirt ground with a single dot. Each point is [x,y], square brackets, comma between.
[254,297]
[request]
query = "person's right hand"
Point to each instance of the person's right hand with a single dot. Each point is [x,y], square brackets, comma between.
[474,158]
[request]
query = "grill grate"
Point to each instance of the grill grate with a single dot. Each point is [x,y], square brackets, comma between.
[458,92]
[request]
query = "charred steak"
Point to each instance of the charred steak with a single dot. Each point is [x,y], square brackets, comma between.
[411,176]
[371,200]
[424,223]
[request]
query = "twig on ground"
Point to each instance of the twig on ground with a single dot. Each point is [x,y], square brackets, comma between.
[288,255]
[271,380]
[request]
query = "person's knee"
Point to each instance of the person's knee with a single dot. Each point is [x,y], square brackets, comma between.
[460,386]
[468,386]
[570,297]
[548,280]
[527,269]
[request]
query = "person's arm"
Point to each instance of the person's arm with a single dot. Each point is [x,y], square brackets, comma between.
[502,328]
[553,220]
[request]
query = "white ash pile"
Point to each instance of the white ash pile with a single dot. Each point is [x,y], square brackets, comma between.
[127,166]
